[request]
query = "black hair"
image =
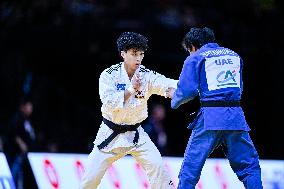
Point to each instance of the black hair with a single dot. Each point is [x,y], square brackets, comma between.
[198,37]
[132,40]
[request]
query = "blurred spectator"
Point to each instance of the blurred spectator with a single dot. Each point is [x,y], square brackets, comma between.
[23,139]
[155,127]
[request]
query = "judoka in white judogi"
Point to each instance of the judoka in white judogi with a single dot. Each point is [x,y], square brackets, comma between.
[112,84]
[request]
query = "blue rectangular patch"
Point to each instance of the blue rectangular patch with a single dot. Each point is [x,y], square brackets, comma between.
[120,87]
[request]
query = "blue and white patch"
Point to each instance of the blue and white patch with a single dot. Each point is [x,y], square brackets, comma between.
[120,86]
[222,72]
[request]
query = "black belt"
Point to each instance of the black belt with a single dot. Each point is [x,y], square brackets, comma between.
[117,129]
[220,103]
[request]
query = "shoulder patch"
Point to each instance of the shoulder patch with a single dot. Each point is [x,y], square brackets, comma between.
[144,70]
[114,68]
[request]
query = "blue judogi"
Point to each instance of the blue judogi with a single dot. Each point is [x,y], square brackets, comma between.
[215,74]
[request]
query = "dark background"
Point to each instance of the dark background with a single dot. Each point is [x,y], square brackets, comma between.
[54,51]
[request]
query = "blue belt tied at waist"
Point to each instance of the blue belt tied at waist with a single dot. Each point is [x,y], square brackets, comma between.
[117,129]
[220,103]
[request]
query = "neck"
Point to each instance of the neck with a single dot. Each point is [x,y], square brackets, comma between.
[130,72]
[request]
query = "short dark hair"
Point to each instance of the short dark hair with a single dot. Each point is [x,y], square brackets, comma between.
[198,37]
[132,40]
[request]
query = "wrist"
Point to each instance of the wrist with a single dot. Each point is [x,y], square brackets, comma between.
[130,89]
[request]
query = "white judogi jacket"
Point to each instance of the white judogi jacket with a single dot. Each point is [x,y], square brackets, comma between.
[112,84]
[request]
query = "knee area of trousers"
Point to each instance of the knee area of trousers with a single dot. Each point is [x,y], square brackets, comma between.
[253,169]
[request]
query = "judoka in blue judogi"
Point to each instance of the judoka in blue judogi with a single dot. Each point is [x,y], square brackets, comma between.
[215,74]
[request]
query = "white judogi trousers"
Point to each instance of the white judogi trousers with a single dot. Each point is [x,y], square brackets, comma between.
[147,155]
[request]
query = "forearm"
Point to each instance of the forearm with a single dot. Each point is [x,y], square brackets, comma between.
[180,97]
[128,92]
[161,85]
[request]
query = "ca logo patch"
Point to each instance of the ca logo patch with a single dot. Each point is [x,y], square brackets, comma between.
[226,78]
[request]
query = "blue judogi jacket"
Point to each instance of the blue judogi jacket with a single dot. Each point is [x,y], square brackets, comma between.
[213,73]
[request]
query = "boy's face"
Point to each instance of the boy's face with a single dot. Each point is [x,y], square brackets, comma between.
[132,58]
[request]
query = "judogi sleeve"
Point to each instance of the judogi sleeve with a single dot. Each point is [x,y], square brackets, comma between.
[110,96]
[187,86]
[159,83]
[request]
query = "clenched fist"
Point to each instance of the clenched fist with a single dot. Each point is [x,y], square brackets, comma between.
[169,92]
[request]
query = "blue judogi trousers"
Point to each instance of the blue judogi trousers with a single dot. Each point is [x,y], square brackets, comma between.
[238,148]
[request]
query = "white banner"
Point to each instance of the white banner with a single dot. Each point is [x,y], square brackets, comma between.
[64,171]
[6,180]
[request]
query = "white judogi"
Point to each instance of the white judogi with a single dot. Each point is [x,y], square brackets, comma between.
[112,84]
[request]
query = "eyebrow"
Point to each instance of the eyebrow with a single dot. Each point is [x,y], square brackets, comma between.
[135,52]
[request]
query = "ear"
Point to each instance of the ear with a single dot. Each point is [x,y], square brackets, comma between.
[193,48]
[122,54]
